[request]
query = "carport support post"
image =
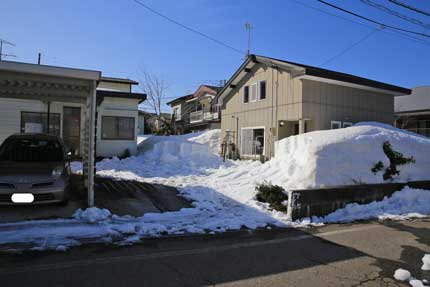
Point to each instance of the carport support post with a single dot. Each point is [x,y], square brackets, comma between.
[91,108]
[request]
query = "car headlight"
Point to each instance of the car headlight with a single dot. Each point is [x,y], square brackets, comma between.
[57,172]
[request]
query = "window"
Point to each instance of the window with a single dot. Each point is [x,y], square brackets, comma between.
[262,90]
[252,142]
[32,122]
[347,124]
[253,93]
[335,125]
[246,94]
[117,128]
[177,113]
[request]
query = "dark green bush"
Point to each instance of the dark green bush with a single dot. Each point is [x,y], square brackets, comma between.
[396,158]
[272,194]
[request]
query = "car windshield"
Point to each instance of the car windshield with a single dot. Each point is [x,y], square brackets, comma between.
[31,149]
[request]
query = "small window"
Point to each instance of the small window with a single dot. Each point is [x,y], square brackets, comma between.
[253,93]
[335,125]
[347,124]
[117,128]
[246,94]
[33,122]
[262,90]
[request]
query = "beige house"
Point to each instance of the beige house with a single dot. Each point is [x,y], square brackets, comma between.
[269,99]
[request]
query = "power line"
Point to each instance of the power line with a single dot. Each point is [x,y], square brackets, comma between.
[373,21]
[351,46]
[189,28]
[395,13]
[386,31]
[404,5]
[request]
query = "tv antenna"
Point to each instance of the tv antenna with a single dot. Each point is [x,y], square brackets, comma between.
[248,28]
[4,42]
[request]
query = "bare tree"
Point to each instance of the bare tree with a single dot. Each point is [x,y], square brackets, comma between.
[155,88]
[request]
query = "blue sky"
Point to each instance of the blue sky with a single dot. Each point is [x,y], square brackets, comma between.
[121,38]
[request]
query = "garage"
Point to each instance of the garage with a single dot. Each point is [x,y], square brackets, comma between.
[49,85]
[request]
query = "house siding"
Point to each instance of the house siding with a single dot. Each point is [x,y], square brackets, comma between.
[324,102]
[296,101]
[283,102]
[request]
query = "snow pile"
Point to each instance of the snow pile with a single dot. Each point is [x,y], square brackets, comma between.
[211,138]
[164,156]
[92,214]
[407,203]
[345,156]
[426,262]
[402,274]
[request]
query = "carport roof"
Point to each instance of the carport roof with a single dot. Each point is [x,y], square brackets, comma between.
[19,67]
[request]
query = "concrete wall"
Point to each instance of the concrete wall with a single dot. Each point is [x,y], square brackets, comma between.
[321,202]
[324,102]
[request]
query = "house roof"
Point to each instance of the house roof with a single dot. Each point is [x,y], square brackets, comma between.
[49,70]
[301,70]
[123,95]
[180,99]
[118,80]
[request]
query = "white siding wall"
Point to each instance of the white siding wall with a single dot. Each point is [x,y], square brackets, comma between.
[10,120]
[120,108]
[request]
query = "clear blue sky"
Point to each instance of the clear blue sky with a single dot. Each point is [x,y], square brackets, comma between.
[121,38]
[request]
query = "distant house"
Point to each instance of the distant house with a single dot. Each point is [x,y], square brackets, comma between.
[413,112]
[269,99]
[150,123]
[196,112]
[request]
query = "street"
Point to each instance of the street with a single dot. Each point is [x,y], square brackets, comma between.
[361,254]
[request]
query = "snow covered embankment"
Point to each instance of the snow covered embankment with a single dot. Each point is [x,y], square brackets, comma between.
[345,157]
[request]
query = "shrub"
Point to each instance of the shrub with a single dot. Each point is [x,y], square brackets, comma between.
[272,194]
[396,158]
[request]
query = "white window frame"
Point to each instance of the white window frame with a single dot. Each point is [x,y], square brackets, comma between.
[178,113]
[256,92]
[335,122]
[253,128]
[259,90]
[346,124]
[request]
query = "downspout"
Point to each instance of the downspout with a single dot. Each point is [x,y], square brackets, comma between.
[48,115]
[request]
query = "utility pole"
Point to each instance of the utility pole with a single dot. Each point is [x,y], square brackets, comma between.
[4,42]
[248,28]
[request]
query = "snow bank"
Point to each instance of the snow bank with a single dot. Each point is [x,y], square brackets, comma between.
[407,203]
[345,156]
[426,262]
[210,138]
[92,214]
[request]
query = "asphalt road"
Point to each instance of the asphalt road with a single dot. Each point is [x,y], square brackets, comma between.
[361,254]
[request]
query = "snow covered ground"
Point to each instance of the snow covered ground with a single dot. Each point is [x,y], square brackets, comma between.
[223,193]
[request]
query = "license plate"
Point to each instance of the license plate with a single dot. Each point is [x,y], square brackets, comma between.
[22,198]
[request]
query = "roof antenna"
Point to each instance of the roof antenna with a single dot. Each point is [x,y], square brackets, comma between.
[1,48]
[248,28]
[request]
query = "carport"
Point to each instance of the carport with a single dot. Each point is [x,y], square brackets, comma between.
[56,84]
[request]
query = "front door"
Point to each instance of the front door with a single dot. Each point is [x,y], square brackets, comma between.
[72,129]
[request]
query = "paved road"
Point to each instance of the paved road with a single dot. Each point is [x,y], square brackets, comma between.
[364,254]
